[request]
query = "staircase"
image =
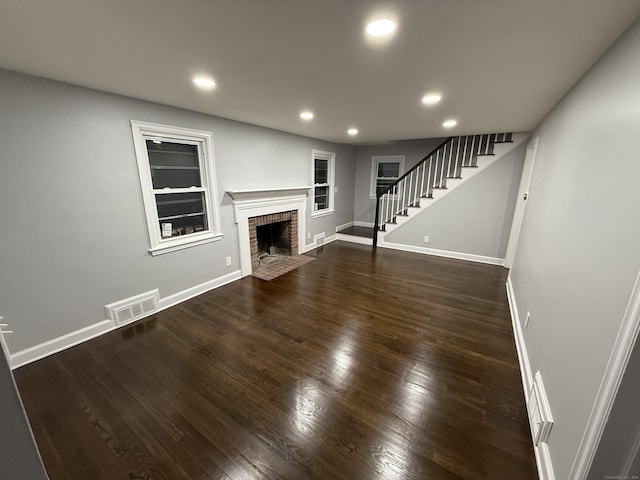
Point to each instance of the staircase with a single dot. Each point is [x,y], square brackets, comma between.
[448,166]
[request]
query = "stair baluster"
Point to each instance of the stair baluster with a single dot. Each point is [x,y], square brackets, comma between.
[446,161]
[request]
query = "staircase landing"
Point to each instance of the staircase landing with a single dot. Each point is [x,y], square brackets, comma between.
[356,234]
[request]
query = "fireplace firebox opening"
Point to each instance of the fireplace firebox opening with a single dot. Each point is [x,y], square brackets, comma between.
[273,234]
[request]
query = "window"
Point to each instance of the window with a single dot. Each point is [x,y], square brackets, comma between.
[323,166]
[177,175]
[384,171]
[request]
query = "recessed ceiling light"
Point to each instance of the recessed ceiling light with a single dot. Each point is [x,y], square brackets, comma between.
[449,123]
[381,27]
[306,115]
[431,98]
[352,131]
[205,83]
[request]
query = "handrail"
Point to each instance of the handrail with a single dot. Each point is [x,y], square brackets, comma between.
[397,182]
[415,167]
[445,161]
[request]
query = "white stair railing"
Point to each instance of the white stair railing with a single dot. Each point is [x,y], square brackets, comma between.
[446,161]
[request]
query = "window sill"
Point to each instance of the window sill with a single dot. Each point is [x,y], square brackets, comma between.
[162,249]
[322,213]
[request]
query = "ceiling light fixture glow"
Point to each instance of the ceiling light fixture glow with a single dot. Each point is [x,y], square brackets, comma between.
[431,98]
[352,131]
[449,123]
[381,27]
[204,83]
[306,115]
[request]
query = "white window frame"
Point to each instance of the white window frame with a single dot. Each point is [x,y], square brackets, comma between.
[378,159]
[143,131]
[331,157]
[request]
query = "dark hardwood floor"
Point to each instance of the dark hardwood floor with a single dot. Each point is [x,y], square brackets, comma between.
[359,365]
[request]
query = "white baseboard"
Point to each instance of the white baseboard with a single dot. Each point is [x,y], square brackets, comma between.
[521,347]
[191,292]
[313,246]
[618,360]
[543,458]
[442,253]
[63,342]
[363,224]
[343,226]
[72,339]
[354,239]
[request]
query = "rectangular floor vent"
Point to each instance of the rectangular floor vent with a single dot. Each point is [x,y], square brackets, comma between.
[539,412]
[133,308]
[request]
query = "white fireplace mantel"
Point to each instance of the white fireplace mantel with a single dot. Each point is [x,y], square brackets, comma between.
[262,193]
[253,203]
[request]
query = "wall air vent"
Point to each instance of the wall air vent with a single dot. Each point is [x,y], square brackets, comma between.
[319,239]
[133,308]
[539,412]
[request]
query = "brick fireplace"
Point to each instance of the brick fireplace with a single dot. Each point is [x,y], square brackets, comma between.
[273,233]
[256,208]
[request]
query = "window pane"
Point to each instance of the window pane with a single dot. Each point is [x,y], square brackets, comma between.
[321,198]
[382,184]
[321,171]
[173,165]
[389,169]
[181,213]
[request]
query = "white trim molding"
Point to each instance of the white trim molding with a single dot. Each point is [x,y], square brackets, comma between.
[196,290]
[82,335]
[377,160]
[354,239]
[313,246]
[622,348]
[343,226]
[253,203]
[471,257]
[363,224]
[541,451]
[203,141]
[330,157]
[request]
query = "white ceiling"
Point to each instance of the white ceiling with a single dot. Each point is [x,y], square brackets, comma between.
[499,64]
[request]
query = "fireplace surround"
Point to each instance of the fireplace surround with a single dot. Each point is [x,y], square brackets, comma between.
[278,202]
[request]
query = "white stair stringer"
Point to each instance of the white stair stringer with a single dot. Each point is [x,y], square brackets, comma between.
[499,151]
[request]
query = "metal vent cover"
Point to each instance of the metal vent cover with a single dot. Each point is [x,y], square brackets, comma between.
[133,308]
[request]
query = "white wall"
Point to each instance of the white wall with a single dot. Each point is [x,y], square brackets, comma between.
[475,218]
[579,254]
[73,228]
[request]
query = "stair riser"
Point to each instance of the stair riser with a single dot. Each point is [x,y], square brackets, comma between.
[500,149]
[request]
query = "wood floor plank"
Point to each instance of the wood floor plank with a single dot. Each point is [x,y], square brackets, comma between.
[360,365]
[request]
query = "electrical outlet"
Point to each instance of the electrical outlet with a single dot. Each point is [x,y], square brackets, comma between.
[526,320]
[227,261]
[308,235]
[335,190]
[426,239]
